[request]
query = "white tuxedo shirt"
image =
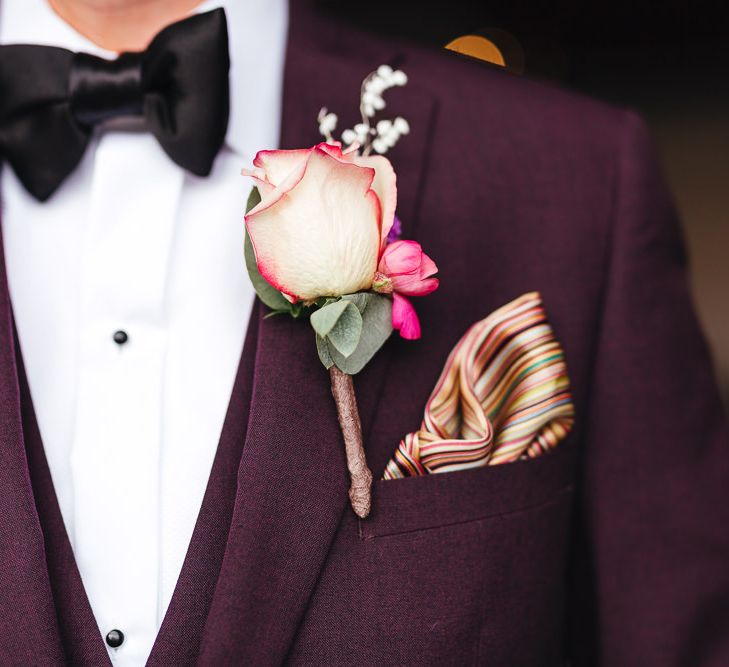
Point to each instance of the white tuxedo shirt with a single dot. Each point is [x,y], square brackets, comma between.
[132,243]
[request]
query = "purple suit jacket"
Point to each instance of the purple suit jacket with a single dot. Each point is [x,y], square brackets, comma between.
[613,550]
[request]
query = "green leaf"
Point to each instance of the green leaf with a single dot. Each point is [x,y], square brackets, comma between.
[376,329]
[340,323]
[322,347]
[360,299]
[253,200]
[324,319]
[345,334]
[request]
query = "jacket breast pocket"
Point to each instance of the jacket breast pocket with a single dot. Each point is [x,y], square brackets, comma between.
[461,568]
[443,499]
[475,562]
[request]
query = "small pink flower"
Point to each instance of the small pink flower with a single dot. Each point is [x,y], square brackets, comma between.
[404,269]
[409,268]
[404,317]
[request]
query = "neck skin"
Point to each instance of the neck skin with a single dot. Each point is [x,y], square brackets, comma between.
[122,25]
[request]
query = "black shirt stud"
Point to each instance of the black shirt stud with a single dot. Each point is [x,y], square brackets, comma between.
[120,337]
[115,638]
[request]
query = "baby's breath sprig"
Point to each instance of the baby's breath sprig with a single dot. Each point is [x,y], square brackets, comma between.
[370,134]
[327,124]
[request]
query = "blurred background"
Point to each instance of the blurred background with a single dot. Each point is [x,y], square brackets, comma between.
[669,60]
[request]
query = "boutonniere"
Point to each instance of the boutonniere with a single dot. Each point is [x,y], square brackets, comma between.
[323,243]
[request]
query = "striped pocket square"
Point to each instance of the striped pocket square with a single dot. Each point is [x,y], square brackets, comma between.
[503,395]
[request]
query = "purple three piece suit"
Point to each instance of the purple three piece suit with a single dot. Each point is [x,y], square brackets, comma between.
[612,550]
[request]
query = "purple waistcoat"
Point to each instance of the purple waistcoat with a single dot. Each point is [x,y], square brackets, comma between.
[179,637]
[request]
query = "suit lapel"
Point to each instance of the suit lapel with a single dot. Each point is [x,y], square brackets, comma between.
[292,481]
[28,627]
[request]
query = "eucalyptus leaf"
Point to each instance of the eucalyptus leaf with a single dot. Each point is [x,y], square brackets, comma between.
[324,319]
[376,329]
[345,334]
[322,347]
[360,299]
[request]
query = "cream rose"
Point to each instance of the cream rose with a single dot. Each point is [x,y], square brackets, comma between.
[324,215]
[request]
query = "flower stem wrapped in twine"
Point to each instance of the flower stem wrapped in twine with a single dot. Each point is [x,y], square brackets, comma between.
[360,490]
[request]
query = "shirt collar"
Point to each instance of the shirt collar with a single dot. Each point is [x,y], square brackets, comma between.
[257,35]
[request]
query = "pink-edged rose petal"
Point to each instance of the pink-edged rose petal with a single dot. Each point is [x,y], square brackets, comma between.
[318,233]
[276,166]
[273,168]
[385,185]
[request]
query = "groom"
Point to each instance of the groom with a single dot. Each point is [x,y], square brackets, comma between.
[172,483]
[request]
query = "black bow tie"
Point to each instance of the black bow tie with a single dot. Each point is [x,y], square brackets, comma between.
[51,99]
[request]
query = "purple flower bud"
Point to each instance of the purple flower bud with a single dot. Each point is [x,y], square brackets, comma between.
[395,231]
